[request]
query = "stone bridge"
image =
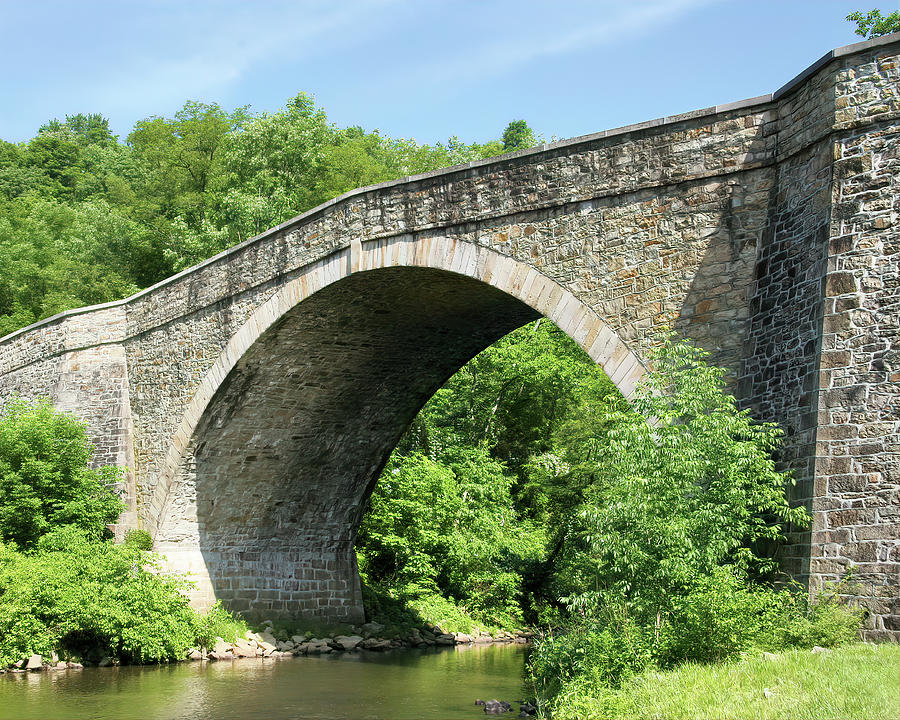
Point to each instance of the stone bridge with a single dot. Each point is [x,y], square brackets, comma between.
[256,397]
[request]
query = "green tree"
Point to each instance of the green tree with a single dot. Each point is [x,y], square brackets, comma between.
[518,136]
[681,483]
[874,24]
[45,481]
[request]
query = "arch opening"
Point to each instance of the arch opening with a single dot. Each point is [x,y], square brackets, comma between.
[274,478]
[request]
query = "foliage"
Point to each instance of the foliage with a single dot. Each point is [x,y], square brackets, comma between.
[45,482]
[139,539]
[87,219]
[682,482]
[448,527]
[874,24]
[518,136]
[218,622]
[91,599]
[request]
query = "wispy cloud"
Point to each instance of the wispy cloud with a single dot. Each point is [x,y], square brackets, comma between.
[617,25]
[213,47]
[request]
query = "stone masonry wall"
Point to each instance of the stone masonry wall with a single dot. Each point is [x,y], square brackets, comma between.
[857,475]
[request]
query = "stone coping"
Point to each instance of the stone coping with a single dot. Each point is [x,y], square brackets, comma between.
[782,92]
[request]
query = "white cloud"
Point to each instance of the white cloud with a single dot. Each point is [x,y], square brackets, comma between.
[618,24]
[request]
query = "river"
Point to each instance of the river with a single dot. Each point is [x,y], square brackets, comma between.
[396,685]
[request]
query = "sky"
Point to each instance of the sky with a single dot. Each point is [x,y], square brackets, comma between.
[423,69]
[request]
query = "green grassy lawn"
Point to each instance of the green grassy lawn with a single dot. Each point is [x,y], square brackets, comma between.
[855,681]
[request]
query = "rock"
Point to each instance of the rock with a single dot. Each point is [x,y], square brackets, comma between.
[348,642]
[370,629]
[19,664]
[445,639]
[377,644]
[481,639]
[61,665]
[819,649]
[35,662]
[461,638]
[316,646]
[243,648]
[297,639]
[267,648]
[221,648]
[72,665]
[195,654]
[265,637]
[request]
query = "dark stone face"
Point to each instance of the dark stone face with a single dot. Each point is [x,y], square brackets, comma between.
[296,436]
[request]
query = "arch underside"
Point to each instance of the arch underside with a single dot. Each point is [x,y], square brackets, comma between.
[294,439]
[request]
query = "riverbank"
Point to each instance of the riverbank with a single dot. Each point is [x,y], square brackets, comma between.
[274,642]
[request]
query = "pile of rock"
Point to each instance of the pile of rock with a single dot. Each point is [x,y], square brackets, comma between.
[366,637]
[38,662]
[264,644]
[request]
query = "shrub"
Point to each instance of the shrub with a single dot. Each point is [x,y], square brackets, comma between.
[45,481]
[91,598]
[139,539]
[721,617]
[590,653]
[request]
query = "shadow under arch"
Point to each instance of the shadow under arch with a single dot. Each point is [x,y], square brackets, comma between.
[267,476]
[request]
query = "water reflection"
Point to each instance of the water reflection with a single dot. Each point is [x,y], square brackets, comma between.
[398,685]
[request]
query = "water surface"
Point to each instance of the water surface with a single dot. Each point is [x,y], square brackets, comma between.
[397,685]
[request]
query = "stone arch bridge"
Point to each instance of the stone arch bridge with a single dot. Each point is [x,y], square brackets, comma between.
[256,396]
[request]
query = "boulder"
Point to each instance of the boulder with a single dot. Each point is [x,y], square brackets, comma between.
[297,639]
[348,642]
[461,638]
[267,648]
[445,639]
[377,644]
[35,662]
[195,654]
[72,665]
[221,648]
[244,648]
[61,665]
[370,629]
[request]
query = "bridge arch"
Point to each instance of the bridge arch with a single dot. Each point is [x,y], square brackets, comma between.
[266,477]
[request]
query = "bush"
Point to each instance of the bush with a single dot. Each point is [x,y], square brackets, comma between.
[139,539]
[720,618]
[45,482]
[590,653]
[91,599]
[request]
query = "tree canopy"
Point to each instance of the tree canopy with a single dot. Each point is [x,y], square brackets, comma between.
[874,24]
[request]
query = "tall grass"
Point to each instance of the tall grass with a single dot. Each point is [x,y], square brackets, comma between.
[857,681]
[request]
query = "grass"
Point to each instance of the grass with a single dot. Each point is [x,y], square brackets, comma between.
[854,681]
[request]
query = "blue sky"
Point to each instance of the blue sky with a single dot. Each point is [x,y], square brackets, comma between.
[425,69]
